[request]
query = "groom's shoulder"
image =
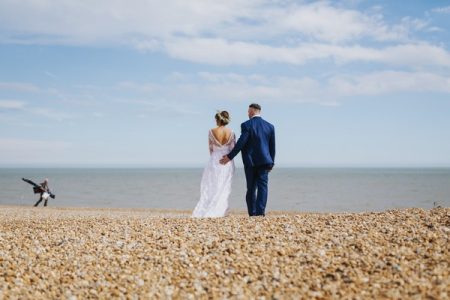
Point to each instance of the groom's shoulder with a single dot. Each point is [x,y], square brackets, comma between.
[246,123]
[268,123]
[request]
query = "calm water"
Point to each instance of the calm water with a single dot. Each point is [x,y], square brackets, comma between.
[313,189]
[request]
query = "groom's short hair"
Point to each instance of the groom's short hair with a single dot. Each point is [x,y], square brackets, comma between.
[255,106]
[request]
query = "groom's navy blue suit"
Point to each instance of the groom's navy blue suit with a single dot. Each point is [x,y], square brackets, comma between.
[257,143]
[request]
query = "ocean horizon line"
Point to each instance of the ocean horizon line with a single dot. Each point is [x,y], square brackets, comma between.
[238,166]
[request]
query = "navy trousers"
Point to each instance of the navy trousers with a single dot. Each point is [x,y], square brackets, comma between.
[256,197]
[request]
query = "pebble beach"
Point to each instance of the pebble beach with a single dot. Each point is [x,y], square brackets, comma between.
[82,253]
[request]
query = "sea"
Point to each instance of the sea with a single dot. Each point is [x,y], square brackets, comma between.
[290,189]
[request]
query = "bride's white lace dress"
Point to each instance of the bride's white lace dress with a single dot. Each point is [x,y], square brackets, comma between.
[215,187]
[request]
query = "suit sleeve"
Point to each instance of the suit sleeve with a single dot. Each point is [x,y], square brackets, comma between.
[242,141]
[272,145]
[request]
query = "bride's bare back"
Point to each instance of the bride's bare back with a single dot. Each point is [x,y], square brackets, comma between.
[222,134]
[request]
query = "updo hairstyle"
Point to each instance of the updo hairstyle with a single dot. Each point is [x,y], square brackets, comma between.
[222,118]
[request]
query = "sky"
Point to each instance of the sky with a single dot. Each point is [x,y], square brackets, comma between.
[137,83]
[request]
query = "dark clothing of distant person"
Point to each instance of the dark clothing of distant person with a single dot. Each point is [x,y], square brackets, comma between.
[44,193]
[42,189]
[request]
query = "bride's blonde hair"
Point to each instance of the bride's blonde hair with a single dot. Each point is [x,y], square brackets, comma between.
[222,117]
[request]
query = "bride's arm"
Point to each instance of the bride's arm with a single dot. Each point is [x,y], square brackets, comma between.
[233,140]
[210,143]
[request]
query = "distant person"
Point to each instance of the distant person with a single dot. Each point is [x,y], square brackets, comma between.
[257,145]
[42,189]
[215,187]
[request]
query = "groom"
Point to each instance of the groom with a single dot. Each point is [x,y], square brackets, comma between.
[257,143]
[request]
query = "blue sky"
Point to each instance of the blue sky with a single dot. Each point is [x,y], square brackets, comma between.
[137,83]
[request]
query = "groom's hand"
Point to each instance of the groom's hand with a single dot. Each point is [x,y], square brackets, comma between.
[224,160]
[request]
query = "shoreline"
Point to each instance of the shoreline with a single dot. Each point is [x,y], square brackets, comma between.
[189,211]
[77,253]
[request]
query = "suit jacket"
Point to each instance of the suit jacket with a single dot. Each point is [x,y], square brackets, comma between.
[257,143]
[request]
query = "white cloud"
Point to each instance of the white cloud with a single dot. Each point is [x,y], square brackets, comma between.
[225,87]
[386,82]
[416,55]
[13,150]
[235,87]
[98,115]
[50,74]
[119,22]
[241,32]
[19,86]
[442,10]
[34,145]
[222,52]
[158,104]
[79,22]
[322,21]
[41,110]
[180,93]
[51,114]
[11,104]
[335,88]
[206,86]
[130,85]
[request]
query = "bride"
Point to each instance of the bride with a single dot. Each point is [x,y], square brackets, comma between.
[215,187]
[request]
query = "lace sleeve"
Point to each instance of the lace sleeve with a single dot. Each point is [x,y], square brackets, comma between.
[210,142]
[233,140]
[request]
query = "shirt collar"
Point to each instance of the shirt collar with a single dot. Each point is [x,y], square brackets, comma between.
[258,115]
